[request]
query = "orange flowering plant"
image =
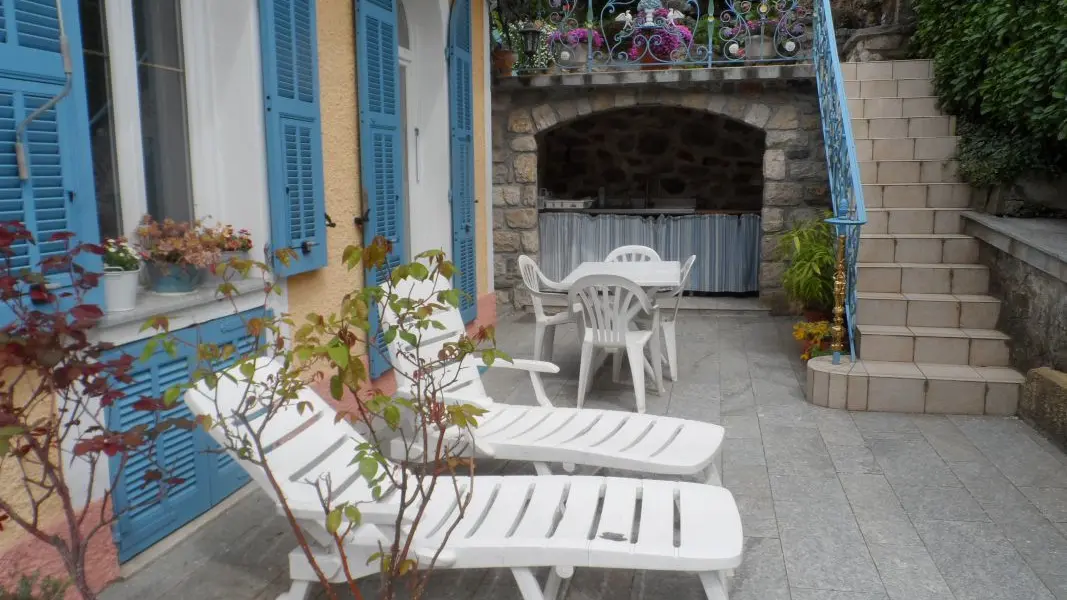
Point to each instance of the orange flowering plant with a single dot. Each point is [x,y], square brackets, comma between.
[814,337]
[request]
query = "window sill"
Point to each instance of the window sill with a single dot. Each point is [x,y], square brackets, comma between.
[150,304]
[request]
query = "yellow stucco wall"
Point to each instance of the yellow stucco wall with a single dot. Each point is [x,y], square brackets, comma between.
[479,49]
[321,291]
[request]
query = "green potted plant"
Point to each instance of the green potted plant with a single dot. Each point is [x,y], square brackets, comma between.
[176,254]
[122,274]
[503,56]
[809,247]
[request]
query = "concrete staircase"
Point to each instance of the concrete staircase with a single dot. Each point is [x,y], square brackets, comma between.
[926,324]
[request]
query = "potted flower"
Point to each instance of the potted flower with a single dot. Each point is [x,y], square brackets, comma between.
[122,272]
[814,337]
[503,56]
[176,254]
[571,48]
[659,38]
[232,245]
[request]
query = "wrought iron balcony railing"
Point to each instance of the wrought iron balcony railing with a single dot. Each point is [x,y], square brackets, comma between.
[602,35]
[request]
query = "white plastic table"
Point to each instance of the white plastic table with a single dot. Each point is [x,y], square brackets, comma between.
[651,274]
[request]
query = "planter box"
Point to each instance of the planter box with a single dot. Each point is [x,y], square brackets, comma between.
[173,279]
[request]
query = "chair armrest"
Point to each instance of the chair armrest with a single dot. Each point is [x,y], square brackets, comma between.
[534,368]
[522,364]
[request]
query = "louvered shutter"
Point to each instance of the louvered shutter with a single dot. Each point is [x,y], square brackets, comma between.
[461,117]
[294,135]
[381,143]
[59,195]
[146,516]
[209,475]
[226,475]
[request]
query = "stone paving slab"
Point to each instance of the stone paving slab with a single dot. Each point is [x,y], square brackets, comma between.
[835,505]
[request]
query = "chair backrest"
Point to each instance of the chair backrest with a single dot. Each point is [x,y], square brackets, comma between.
[633,254]
[302,443]
[532,277]
[676,293]
[463,379]
[609,303]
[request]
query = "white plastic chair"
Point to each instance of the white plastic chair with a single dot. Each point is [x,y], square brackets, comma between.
[669,318]
[543,433]
[609,306]
[545,328]
[633,254]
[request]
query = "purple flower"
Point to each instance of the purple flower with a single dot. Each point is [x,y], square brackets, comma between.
[661,42]
[575,37]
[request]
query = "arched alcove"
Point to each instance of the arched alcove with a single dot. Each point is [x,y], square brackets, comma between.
[655,156]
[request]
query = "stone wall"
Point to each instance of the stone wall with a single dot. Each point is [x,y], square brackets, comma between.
[665,152]
[1033,310]
[784,109]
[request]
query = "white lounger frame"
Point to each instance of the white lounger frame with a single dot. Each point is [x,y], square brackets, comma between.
[514,522]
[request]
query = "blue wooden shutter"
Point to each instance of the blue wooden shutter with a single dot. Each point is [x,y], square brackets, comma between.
[145,517]
[225,474]
[461,118]
[59,194]
[381,143]
[294,134]
[210,476]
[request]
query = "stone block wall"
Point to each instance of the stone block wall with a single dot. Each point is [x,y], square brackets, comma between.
[794,173]
[1033,310]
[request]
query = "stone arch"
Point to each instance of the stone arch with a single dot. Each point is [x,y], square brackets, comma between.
[793,165]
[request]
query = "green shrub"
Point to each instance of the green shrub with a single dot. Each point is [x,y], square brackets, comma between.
[1001,64]
[809,246]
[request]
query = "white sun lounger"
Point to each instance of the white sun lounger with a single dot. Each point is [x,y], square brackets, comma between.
[514,522]
[546,434]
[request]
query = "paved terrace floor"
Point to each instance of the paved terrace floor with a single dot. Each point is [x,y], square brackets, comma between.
[836,506]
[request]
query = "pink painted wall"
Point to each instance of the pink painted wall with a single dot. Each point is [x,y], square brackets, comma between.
[29,555]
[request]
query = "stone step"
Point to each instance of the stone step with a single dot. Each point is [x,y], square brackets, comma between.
[909,171]
[893,108]
[931,148]
[889,69]
[890,88]
[922,195]
[903,127]
[923,278]
[927,310]
[914,220]
[918,248]
[935,345]
[913,387]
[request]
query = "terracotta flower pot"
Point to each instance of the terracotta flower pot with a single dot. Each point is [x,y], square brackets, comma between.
[650,63]
[504,62]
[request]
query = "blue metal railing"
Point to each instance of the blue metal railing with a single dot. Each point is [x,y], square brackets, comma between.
[574,36]
[846,191]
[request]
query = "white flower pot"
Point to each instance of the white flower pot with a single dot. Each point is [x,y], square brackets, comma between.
[120,290]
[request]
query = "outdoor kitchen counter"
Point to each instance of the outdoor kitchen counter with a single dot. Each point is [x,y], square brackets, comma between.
[726,243]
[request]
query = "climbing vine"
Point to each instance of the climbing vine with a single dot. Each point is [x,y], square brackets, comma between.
[1000,65]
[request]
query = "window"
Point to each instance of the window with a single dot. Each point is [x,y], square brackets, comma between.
[101,117]
[140,51]
[161,78]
